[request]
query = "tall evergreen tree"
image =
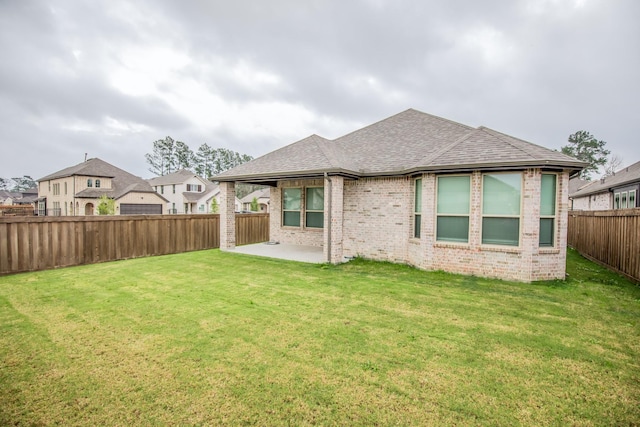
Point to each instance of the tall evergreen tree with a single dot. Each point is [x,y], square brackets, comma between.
[584,146]
[184,157]
[162,159]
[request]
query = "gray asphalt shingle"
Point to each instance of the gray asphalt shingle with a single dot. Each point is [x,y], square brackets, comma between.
[408,142]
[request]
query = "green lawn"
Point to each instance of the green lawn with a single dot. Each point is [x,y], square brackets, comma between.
[208,338]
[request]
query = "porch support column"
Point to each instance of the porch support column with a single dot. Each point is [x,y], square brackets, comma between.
[227,216]
[333,219]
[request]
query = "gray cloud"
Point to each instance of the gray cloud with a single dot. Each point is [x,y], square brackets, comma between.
[254,76]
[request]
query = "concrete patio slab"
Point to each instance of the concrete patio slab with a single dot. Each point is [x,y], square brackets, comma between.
[302,253]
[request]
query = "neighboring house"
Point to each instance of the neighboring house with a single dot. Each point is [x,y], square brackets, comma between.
[418,189]
[187,193]
[617,191]
[76,190]
[261,196]
[7,197]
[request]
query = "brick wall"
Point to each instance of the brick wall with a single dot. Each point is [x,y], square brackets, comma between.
[378,218]
[373,218]
[294,235]
[594,202]
[378,224]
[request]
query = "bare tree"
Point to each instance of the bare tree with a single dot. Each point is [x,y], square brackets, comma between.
[613,164]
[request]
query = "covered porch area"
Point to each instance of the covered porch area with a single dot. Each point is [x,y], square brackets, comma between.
[301,253]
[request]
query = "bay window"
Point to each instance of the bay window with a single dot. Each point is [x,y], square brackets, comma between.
[454,196]
[417,208]
[501,198]
[547,209]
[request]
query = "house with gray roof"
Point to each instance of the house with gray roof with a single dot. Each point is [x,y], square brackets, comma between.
[187,193]
[617,191]
[262,198]
[76,190]
[418,189]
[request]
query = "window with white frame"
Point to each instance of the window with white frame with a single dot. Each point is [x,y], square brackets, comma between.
[291,204]
[547,209]
[616,201]
[417,208]
[89,182]
[194,187]
[632,198]
[623,200]
[454,201]
[97,183]
[501,199]
[314,207]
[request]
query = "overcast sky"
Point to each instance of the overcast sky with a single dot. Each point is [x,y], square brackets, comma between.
[109,77]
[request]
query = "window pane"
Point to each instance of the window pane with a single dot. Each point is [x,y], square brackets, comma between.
[315,219]
[632,199]
[291,200]
[418,196]
[291,219]
[616,202]
[548,195]
[417,225]
[546,231]
[453,194]
[500,231]
[501,194]
[623,200]
[453,229]
[315,199]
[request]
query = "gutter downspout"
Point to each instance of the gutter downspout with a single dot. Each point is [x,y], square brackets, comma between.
[326,176]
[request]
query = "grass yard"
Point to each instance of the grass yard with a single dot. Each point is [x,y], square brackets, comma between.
[208,338]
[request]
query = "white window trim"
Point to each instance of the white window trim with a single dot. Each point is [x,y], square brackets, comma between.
[415,211]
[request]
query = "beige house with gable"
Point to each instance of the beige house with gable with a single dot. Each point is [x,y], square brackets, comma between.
[187,193]
[418,189]
[76,190]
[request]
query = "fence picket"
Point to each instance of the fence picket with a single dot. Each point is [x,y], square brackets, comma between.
[611,238]
[39,243]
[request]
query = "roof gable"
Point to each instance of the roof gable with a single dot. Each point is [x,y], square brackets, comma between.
[122,182]
[406,143]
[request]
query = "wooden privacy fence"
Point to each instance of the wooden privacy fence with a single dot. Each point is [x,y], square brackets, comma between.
[40,243]
[611,238]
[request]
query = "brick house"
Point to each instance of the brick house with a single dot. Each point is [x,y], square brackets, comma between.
[418,189]
[617,191]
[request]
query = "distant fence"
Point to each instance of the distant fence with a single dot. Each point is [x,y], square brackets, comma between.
[611,238]
[41,243]
[16,210]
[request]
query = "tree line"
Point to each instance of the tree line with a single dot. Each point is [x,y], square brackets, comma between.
[17,184]
[169,155]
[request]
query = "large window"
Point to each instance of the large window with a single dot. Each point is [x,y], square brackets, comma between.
[314,207]
[417,208]
[454,195]
[501,195]
[291,198]
[547,209]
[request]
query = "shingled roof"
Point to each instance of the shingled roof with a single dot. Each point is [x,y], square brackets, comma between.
[122,182]
[627,175]
[407,143]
